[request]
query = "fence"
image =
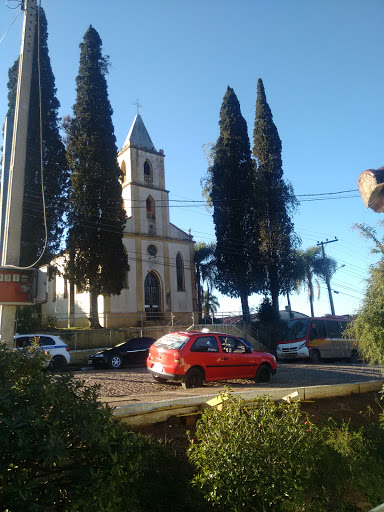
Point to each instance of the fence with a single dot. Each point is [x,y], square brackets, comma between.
[153,326]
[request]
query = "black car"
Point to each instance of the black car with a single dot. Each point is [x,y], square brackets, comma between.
[131,352]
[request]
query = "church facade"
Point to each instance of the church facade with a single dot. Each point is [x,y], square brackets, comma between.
[160,283]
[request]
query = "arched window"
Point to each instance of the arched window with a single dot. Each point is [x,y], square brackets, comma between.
[180,272]
[152,294]
[150,205]
[147,172]
[123,170]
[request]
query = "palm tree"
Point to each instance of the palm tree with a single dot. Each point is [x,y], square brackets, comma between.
[205,269]
[210,304]
[314,265]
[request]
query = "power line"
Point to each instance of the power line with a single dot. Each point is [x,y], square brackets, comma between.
[9,28]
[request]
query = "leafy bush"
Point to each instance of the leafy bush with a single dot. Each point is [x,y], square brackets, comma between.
[267,456]
[61,451]
[28,320]
[51,321]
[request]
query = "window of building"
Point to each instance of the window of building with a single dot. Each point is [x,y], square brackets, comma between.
[148,178]
[123,170]
[180,272]
[65,288]
[150,205]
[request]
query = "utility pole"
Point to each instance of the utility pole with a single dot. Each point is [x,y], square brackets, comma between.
[327,280]
[14,200]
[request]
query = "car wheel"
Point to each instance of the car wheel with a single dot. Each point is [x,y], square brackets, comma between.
[263,373]
[160,380]
[193,379]
[58,364]
[315,357]
[115,362]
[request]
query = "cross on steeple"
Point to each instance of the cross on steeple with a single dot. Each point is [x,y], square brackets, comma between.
[138,105]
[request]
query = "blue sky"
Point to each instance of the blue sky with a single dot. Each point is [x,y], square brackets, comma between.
[322,68]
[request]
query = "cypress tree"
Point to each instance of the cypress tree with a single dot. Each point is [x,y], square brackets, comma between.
[97,259]
[55,170]
[276,203]
[232,174]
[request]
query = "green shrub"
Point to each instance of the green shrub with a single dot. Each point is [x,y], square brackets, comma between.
[51,321]
[28,320]
[61,451]
[267,456]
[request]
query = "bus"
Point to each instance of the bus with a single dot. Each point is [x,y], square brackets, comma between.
[316,338]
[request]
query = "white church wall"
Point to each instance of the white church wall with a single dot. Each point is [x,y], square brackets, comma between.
[127,201]
[181,300]
[175,232]
[144,221]
[56,305]
[126,301]
[153,159]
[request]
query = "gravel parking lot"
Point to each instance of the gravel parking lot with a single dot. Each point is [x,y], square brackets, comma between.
[137,383]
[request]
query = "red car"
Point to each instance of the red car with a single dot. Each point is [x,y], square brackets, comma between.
[196,357]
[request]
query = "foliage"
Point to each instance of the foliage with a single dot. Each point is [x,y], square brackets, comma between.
[53,156]
[368,325]
[275,202]
[210,304]
[265,455]
[51,321]
[98,261]
[27,319]
[205,268]
[265,311]
[206,181]
[311,264]
[60,450]
[232,174]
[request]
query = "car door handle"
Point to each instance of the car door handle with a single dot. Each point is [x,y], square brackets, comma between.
[224,358]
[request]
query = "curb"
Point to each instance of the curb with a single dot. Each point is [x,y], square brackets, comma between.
[148,413]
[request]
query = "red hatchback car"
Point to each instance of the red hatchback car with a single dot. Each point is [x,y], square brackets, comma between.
[195,357]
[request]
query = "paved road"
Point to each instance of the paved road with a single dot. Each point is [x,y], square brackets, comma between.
[136,384]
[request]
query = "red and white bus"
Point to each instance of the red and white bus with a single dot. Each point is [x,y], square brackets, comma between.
[316,338]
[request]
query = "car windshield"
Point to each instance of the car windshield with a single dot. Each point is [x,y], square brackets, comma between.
[172,341]
[295,329]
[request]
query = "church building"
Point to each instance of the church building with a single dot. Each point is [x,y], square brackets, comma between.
[160,283]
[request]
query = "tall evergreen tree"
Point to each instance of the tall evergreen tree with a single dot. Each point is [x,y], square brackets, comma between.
[53,166]
[232,174]
[97,259]
[275,203]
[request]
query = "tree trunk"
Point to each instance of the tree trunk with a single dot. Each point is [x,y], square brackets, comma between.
[310,293]
[199,301]
[94,311]
[289,306]
[274,289]
[245,308]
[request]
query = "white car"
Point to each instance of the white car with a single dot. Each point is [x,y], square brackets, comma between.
[53,345]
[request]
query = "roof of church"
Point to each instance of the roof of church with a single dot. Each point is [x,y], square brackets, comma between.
[138,135]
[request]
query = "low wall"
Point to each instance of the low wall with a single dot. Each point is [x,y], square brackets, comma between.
[147,413]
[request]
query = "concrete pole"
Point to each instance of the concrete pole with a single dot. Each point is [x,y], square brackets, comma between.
[14,208]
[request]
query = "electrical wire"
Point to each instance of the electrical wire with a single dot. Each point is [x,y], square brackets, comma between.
[10,26]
